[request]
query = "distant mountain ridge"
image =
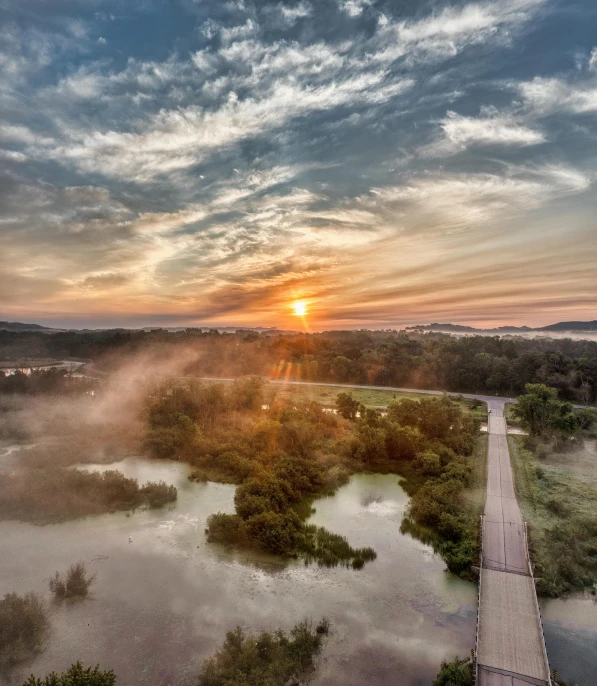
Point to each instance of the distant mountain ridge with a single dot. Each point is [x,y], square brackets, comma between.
[447,327]
[458,328]
[19,326]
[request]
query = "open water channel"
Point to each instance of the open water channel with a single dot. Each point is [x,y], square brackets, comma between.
[163,602]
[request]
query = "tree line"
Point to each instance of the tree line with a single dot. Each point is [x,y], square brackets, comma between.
[476,364]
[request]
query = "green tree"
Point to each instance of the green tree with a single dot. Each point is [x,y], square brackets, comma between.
[76,675]
[538,408]
[540,411]
[347,406]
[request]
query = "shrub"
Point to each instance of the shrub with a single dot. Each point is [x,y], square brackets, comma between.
[23,627]
[273,532]
[227,529]
[455,673]
[272,658]
[157,494]
[76,584]
[59,493]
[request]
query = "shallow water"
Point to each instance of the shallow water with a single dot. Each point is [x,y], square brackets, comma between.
[163,602]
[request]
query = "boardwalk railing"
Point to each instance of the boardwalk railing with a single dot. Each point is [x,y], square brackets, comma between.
[545,657]
[476,658]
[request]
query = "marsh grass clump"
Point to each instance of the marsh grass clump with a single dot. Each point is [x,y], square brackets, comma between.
[23,627]
[75,584]
[330,550]
[275,658]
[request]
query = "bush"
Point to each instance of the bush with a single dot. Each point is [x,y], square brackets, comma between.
[273,532]
[455,673]
[75,675]
[23,627]
[227,529]
[42,495]
[272,658]
[157,494]
[75,585]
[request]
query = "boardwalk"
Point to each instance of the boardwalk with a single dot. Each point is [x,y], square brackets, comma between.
[511,649]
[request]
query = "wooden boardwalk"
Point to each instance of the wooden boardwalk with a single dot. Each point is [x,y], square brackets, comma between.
[510,644]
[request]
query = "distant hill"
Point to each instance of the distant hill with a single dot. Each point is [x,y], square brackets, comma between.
[571,326]
[19,326]
[458,328]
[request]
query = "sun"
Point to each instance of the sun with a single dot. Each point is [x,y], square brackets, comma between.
[300,308]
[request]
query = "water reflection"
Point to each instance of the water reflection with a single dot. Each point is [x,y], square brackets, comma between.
[163,602]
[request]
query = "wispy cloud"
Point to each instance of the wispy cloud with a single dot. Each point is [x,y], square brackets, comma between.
[371,159]
[546,95]
[494,129]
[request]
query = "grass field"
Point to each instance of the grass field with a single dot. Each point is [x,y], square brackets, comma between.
[326,396]
[558,497]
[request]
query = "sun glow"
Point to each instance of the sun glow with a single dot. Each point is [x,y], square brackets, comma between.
[299,308]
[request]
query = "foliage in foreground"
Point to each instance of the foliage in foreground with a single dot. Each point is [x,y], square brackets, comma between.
[54,494]
[457,672]
[272,658]
[23,627]
[75,584]
[76,675]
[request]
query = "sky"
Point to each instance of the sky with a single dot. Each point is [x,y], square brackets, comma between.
[384,162]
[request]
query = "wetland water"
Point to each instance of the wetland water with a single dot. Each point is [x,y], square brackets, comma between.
[163,602]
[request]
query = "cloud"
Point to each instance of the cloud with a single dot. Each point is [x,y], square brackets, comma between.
[546,95]
[441,202]
[13,155]
[354,8]
[297,149]
[292,14]
[104,282]
[180,139]
[444,34]
[496,129]
[592,64]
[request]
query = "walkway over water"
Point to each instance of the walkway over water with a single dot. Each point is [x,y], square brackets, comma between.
[510,644]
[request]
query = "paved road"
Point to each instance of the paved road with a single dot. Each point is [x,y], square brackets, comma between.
[511,649]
